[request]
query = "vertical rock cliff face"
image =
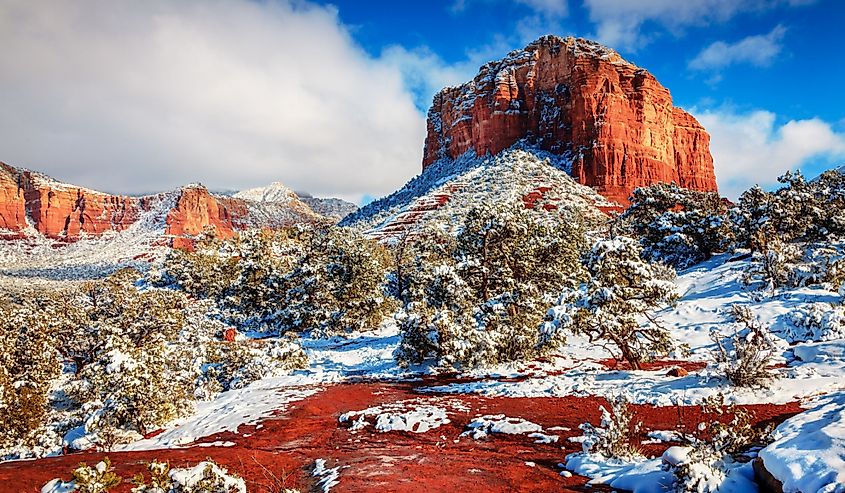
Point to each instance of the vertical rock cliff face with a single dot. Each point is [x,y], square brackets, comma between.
[59,210]
[32,202]
[576,97]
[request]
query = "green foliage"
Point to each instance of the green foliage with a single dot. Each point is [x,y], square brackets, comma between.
[98,479]
[800,210]
[614,306]
[479,298]
[677,226]
[338,284]
[28,364]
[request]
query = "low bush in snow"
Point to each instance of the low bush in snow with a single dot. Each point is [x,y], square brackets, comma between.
[709,459]
[745,357]
[613,307]
[205,477]
[234,365]
[614,437]
[815,322]
[86,479]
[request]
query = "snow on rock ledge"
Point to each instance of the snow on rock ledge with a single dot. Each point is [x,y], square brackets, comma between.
[808,454]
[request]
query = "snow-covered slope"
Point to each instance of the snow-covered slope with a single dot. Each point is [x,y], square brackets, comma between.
[329,207]
[447,189]
[274,192]
[37,259]
[278,195]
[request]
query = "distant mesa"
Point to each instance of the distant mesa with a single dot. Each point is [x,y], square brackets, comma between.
[613,120]
[32,203]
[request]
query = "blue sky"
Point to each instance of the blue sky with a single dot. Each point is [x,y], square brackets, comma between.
[330,97]
[750,65]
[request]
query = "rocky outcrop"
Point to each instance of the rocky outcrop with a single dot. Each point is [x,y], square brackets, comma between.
[58,210]
[197,209]
[33,203]
[574,97]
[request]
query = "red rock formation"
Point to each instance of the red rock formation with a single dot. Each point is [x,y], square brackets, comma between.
[58,210]
[196,208]
[31,201]
[575,96]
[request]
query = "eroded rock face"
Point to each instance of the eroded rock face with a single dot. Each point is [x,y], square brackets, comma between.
[574,96]
[32,202]
[59,210]
[196,208]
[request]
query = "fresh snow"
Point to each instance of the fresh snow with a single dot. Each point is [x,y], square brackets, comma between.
[649,475]
[808,454]
[707,291]
[483,426]
[334,360]
[446,189]
[328,477]
[275,192]
[393,417]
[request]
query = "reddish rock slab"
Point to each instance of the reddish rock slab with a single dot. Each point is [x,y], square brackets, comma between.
[439,460]
[575,96]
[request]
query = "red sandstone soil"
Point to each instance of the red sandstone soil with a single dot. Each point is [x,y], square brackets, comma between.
[287,445]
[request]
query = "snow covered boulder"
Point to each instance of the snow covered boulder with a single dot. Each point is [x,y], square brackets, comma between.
[808,454]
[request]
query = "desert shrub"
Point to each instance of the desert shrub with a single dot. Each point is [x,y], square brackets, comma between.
[614,437]
[677,226]
[814,322]
[478,297]
[28,364]
[233,365]
[130,391]
[726,433]
[622,290]
[338,284]
[86,479]
[205,477]
[801,210]
[744,357]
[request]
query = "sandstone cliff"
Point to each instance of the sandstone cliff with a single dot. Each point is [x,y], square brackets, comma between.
[32,203]
[574,97]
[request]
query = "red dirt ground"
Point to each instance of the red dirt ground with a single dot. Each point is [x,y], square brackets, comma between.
[287,445]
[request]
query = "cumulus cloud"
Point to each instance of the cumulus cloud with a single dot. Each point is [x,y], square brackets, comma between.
[758,50]
[554,8]
[751,148]
[141,96]
[619,22]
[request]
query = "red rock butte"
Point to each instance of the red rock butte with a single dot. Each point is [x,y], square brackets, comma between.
[31,201]
[574,96]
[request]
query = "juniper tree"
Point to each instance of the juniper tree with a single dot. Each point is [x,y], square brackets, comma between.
[614,306]
[677,226]
[485,297]
[28,364]
[338,284]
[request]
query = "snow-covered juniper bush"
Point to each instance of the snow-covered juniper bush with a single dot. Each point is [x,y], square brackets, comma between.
[479,297]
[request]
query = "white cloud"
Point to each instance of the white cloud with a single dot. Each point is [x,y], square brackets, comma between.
[758,50]
[552,8]
[558,8]
[141,96]
[619,22]
[751,148]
